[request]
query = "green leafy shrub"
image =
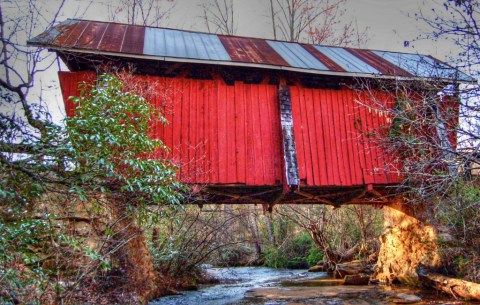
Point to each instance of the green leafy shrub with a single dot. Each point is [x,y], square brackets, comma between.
[274,258]
[296,253]
[314,255]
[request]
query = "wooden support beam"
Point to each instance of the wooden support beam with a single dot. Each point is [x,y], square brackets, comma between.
[313,197]
[380,196]
[288,139]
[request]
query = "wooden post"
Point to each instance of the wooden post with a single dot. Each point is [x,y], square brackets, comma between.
[288,139]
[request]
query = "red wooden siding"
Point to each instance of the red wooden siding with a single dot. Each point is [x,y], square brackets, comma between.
[333,144]
[217,134]
[69,82]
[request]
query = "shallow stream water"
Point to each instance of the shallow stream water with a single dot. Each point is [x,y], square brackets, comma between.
[268,286]
[234,283]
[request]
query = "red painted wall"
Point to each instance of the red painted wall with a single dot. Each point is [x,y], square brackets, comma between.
[221,134]
[217,134]
[333,146]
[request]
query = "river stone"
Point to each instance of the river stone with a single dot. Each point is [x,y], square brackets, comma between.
[350,268]
[357,279]
[297,293]
[403,298]
[316,268]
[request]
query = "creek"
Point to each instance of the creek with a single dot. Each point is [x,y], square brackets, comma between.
[268,286]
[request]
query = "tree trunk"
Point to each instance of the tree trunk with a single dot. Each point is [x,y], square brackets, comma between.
[268,224]
[455,287]
[274,25]
[251,226]
[133,259]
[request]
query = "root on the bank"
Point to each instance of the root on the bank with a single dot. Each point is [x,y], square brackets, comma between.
[455,287]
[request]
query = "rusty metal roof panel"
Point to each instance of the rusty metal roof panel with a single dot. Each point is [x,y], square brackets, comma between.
[296,55]
[72,34]
[51,35]
[347,60]
[174,43]
[133,39]
[113,38]
[251,50]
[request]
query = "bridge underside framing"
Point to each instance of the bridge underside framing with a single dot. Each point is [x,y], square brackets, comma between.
[269,196]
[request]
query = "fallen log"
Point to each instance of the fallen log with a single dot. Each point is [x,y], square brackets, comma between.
[456,287]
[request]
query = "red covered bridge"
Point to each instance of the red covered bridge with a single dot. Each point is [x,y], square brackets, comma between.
[252,120]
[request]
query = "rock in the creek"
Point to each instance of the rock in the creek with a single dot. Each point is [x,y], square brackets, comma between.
[317,268]
[189,286]
[403,298]
[357,279]
[350,268]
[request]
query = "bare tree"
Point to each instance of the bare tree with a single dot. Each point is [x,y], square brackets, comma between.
[314,21]
[456,22]
[341,234]
[219,16]
[141,12]
[19,66]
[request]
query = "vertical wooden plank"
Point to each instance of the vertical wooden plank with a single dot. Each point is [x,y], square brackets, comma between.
[192,129]
[311,128]
[249,136]
[258,145]
[380,160]
[393,176]
[176,88]
[162,101]
[276,133]
[240,144]
[185,129]
[266,133]
[365,141]
[155,126]
[65,86]
[273,116]
[322,164]
[337,126]
[343,139]
[295,94]
[377,169]
[326,135]
[378,123]
[200,153]
[269,136]
[214,134]
[222,133]
[231,143]
[355,167]
[371,138]
[206,131]
[307,142]
[333,133]
[359,141]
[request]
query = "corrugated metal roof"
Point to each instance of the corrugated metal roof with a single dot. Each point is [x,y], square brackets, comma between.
[421,65]
[347,60]
[296,55]
[175,45]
